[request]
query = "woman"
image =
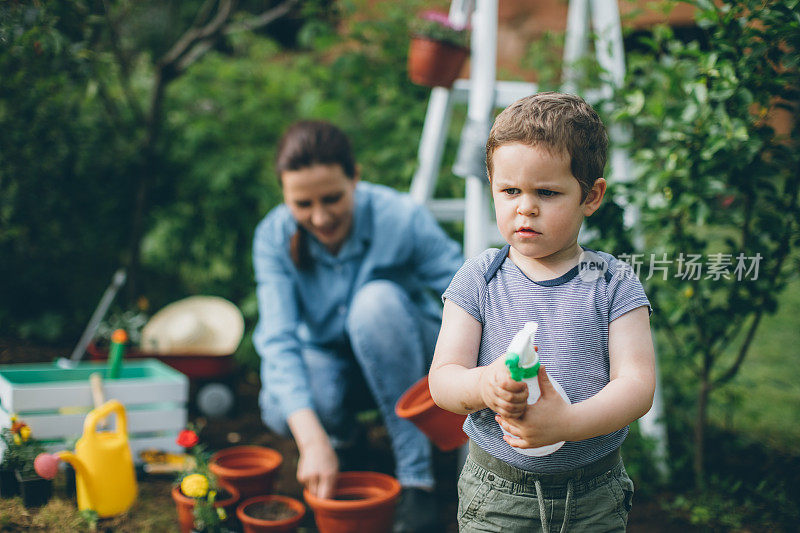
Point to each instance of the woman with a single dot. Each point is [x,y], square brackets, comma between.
[348,274]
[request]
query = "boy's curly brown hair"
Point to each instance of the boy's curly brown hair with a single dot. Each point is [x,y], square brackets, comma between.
[560,123]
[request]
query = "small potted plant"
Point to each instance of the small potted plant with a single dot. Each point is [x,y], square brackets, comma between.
[438,49]
[203,502]
[17,474]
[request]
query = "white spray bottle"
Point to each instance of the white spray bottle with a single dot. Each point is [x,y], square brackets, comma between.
[522,360]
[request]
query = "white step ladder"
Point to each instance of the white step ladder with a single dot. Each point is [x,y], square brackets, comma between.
[483,94]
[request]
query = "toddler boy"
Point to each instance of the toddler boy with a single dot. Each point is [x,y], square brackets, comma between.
[545,158]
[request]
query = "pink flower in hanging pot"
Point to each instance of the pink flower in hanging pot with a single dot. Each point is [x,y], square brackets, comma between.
[437,26]
[442,18]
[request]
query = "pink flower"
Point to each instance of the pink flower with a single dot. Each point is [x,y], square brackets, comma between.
[442,18]
[436,16]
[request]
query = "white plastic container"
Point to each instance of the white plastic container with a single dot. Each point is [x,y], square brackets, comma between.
[522,359]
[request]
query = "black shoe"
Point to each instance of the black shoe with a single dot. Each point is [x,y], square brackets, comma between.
[415,512]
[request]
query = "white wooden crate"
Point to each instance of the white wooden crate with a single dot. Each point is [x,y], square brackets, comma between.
[54,401]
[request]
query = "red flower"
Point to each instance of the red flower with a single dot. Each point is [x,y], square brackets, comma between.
[187,438]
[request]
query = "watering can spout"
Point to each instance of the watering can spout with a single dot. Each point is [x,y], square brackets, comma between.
[78,465]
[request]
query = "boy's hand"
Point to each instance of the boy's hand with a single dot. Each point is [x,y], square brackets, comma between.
[500,393]
[545,422]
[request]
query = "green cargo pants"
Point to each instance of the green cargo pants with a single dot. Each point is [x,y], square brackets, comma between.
[495,496]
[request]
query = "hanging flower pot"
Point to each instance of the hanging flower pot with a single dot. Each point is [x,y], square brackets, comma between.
[362,502]
[434,63]
[442,427]
[270,514]
[438,50]
[185,505]
[251,469]
[35,490]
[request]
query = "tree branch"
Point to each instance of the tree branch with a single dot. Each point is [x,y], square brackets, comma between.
[200,47]
[197,51]
[735,327]
[169,61]
[745,232]
[203,13]
[259,21]
[734,368]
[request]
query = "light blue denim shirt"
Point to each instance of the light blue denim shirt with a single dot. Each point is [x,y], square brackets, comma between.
[392,239]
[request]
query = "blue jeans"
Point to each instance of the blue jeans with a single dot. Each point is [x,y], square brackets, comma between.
[392,342]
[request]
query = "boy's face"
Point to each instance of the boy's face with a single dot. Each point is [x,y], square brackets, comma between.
[538,204]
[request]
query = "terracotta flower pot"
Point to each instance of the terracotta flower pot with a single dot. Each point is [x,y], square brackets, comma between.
[434,63]
[185,505]
[251,469]
[442,427]
[255,524]
[363,502]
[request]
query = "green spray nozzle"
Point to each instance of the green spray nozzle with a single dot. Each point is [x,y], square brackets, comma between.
[519,373]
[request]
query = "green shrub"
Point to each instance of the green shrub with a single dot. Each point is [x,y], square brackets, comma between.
[714,179]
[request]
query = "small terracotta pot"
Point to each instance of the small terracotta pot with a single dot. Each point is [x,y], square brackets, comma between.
[442,427]
[185,505]
[434,63]
[257,525]
[251,469]
[363,502]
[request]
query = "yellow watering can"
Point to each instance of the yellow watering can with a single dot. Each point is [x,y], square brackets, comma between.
[105,478]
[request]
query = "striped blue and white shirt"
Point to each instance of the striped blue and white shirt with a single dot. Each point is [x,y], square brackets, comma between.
[573,316]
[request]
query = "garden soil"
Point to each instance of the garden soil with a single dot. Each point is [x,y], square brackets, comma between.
[155,511]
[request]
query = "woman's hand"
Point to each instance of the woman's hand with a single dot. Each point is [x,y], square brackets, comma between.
[500,393]
[317,469]
[318,464]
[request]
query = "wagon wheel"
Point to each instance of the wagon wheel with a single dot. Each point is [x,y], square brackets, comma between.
[214,400]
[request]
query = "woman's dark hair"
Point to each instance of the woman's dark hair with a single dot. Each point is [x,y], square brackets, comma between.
[313,142]
[307,143]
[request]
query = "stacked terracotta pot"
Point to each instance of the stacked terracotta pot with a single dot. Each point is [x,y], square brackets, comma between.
[251,470]
[362,501]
